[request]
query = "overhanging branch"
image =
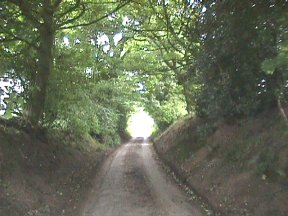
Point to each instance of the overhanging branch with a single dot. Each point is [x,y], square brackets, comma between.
[82,12]
[99,19]
[74,7]
[26,10]
[16,38]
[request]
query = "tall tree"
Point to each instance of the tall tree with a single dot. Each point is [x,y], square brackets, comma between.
[237,37]
[35,23]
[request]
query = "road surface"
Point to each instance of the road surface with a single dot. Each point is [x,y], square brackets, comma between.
[133,183]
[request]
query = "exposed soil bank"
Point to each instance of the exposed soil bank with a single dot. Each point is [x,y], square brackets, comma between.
[239,168]
[45,175]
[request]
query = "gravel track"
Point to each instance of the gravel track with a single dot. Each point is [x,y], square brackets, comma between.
[133,183]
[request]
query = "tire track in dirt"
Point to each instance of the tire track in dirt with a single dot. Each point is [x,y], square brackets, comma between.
[132,183]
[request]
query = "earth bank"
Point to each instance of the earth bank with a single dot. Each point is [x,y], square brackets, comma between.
[239,168]
[45,173]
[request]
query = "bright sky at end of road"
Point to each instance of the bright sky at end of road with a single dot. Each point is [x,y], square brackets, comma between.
[140,124]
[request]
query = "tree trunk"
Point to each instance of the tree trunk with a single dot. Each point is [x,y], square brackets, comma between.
[44,68]
[188,96]
[282,111]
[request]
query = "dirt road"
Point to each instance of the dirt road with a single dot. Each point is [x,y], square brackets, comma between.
[132,183]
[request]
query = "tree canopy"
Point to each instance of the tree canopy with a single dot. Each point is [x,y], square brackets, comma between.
[83,65]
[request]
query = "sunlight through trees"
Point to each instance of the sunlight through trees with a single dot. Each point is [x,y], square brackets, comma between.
[140,124]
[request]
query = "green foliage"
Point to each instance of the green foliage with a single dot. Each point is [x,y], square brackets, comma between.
[170,37]
[99,109]
[14,105]
[269,66]
[219,59]
[236,42]
[85,93]
[167,111]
